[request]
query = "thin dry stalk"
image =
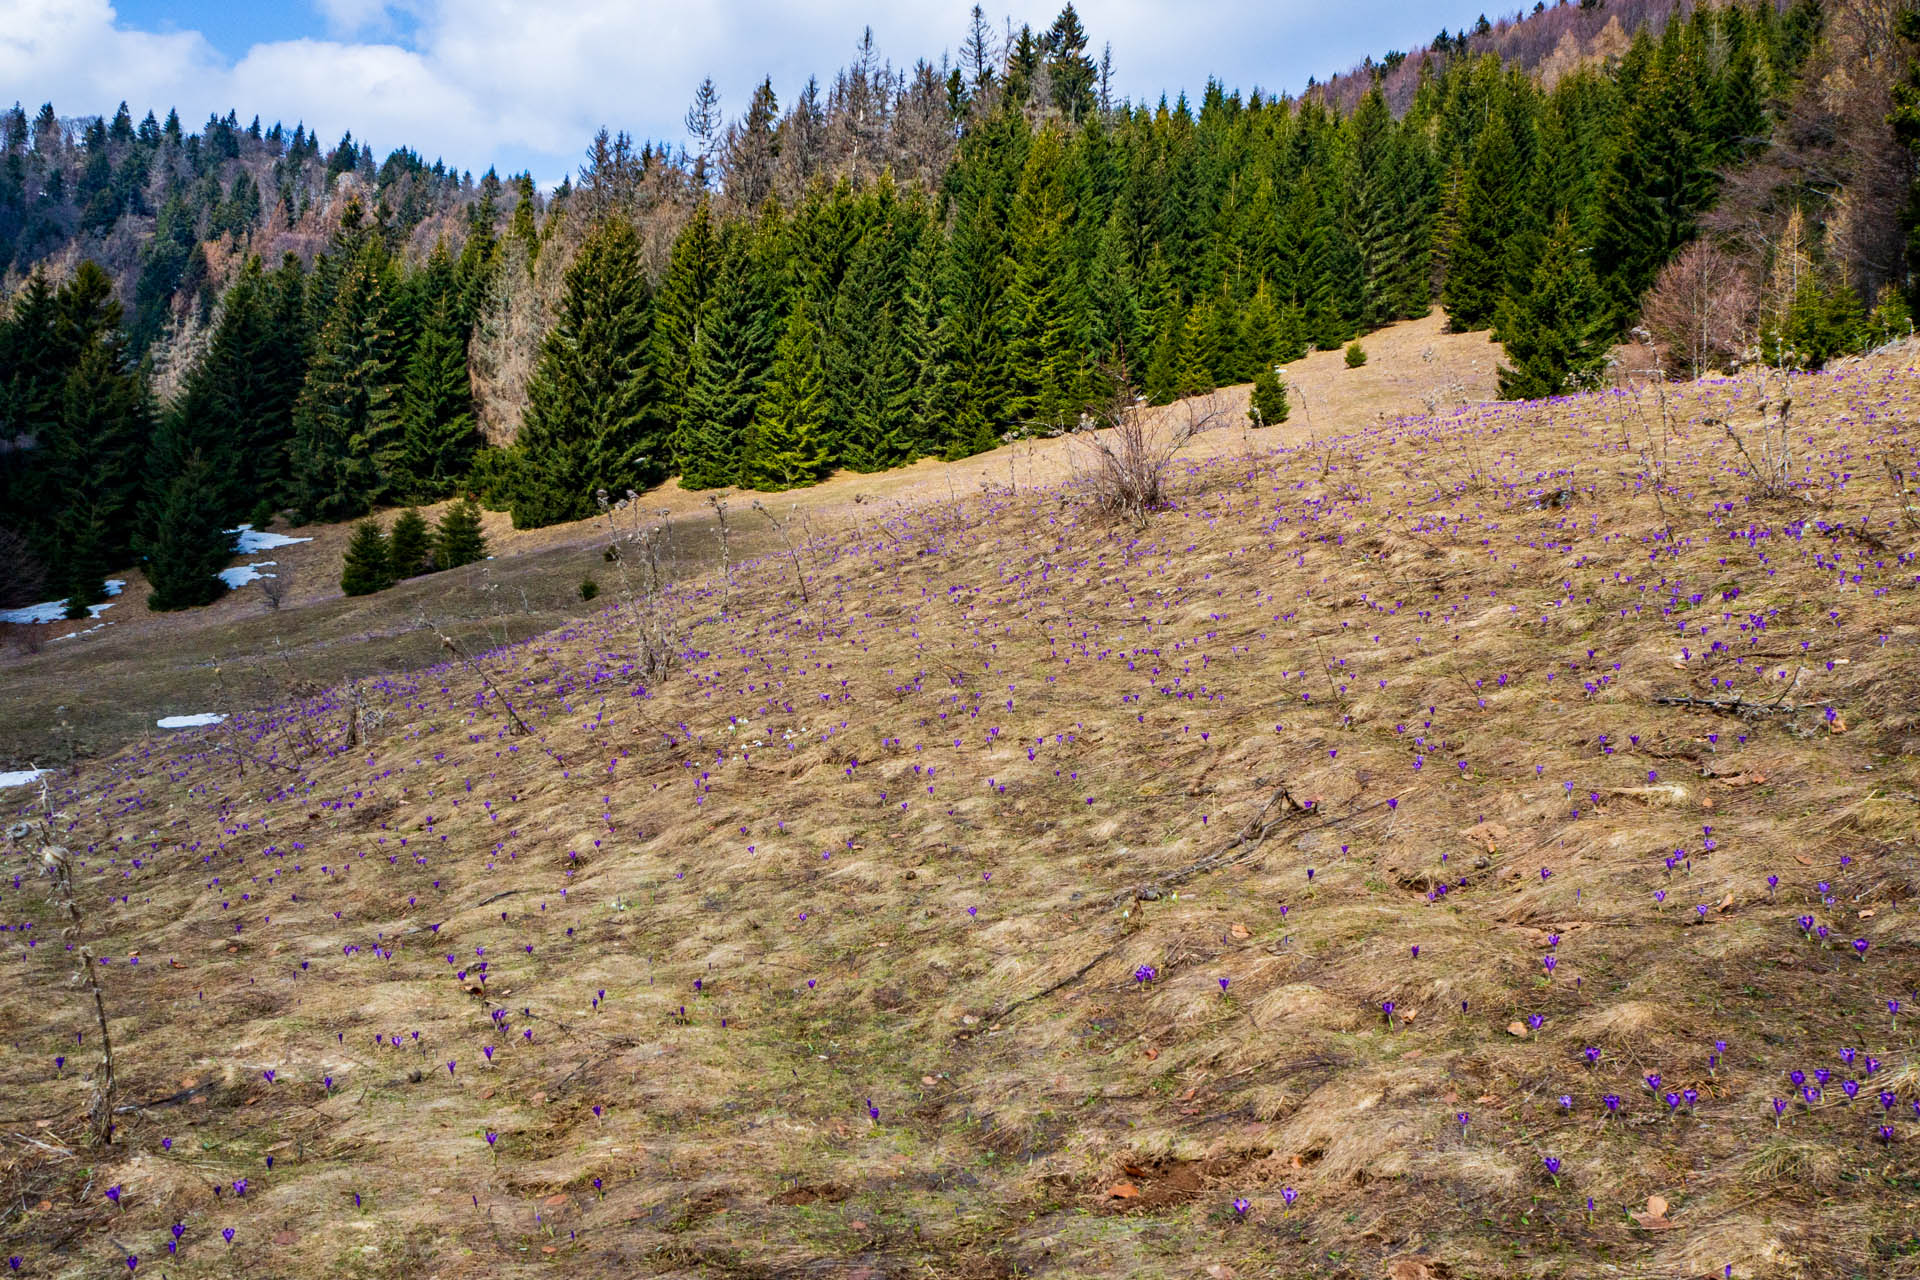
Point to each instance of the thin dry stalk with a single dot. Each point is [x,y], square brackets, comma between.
[58,864]
[793,555]
[447,643]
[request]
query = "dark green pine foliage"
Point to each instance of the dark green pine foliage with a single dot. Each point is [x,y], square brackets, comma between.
[368,566]
[1376,216]
[1477,256]
[786,446]
[347,443]
[1557,331]
[91,440]
[731,364]
[94,464]
[436,402]
[681,309]
[183,546]
[410,545]
[972,380]
[1267,406]
[874,349]
[220,414]
[1659,181]
[458,539]
[596,417]
[1044,303]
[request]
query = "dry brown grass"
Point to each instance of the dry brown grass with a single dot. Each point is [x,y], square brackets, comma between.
[648,839]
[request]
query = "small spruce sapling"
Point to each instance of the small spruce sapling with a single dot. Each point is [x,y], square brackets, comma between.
[1268,406]
[369,562]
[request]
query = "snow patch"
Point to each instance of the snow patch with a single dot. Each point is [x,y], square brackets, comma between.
[191,722]
[54,610]
[250,540]
[241,574]
[21,777]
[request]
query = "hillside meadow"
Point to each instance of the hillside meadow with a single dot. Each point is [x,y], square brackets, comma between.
[1471,840]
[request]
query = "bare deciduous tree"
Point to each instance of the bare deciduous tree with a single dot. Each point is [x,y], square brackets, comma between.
[1700,311]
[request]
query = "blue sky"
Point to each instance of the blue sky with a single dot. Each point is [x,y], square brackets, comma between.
[520,84]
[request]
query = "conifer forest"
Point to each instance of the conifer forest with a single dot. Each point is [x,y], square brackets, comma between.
[207,327]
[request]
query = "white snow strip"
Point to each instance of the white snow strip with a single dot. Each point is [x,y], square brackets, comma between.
[21,777]
[252,540]
[191,722]
[55,610]
[241,574]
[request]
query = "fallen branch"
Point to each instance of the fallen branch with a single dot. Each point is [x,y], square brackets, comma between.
[1738,706]
[1044,992]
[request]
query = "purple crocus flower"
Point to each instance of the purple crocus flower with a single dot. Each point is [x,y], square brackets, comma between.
[1145,974]
[227,1234]
[1289,1195]
[1553,1165]
[1241,1205]
[113,1193]
[1860,946]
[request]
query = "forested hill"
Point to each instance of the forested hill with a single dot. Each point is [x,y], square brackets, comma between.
[903,263]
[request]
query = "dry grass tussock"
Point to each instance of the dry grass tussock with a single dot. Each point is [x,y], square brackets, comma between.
[1012,855]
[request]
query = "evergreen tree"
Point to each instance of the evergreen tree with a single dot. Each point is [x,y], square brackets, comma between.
[346,439]
[735,352]
[785,445]
[1476,259]
[458,539]
[596,417]
[972,386]
[436,406]
[685,299]
[1556,330]
[410,545]
[1268,405]
[1045,298]
[184,548]
[1657,184]
[368,566]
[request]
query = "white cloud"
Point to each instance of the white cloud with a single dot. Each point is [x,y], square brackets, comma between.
[525,83]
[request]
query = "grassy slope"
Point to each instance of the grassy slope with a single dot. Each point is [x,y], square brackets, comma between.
[910,843]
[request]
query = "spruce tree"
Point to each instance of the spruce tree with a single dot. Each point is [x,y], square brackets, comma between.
[1477,258]
[1045,298]
[785,444]
[436,406]
[1657,184]
[346,441]
[681,310]
[458,539]
[735,352]
[596,417]
[184,548]
[972,383]
[1268,405]
[368,566]
[1555,331]
[410,545]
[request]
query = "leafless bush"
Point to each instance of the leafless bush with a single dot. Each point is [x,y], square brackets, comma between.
[1700,311]
[1768,449]
[1124,447]
[275,586]
[636,551]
